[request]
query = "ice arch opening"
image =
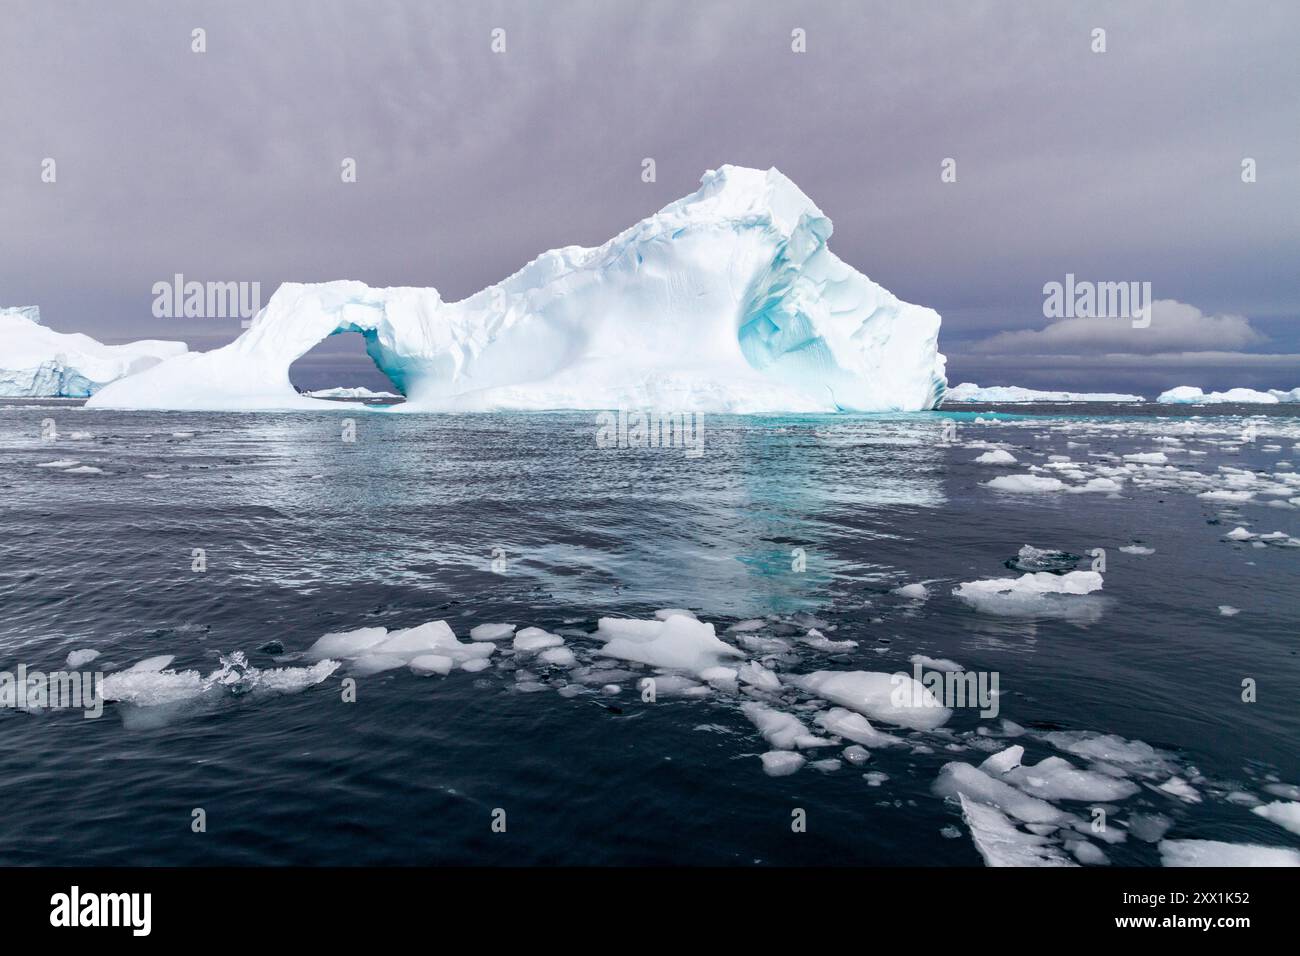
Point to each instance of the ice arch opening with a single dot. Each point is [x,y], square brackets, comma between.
[342,360]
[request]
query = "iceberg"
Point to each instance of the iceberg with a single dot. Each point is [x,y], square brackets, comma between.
[727,300]
[38,362]
[1009,394]
[1190,395]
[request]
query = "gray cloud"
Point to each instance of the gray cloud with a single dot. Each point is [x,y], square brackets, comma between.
[1173,326]
[225,165]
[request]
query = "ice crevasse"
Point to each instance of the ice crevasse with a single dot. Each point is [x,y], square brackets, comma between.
[727,300]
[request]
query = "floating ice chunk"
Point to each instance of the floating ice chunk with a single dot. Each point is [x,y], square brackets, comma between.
[1133,756]
[1282,813]
[1148,458]
[875,778]
[1088,853]
[59,463]
[1025,484]
[678,643]
[853,726]
[1149,827]
[996,457]
[1227,494]
[154,686]
[84,656]
[1003,760]
[1218,853]
[1239,534]
[1287,791]
[781,763]
[672,685]
[535,639]
[1227,610]
[961,779]
[935,663]
[916,592]
[372,650]
[1057,779]
[1099,484]
[856,754]
[783,731]
[1032,560]
[431,664]
[559,656]
[1001,843]
[1180,788]
[346,644]
[753,624]
[492,632]
[1137,549]
[818,641]
[476,664]
[720,678]
[754,673]
[359,391]
[829,765]
[83,470]
[1033,595]
[893,698]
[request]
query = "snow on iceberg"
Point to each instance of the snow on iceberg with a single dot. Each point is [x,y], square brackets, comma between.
[38,362]
[728,300]
[1190,395]
[1006,394]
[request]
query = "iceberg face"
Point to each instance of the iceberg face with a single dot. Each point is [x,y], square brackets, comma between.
[1005,394]
[37,362]
[728,300]
[31,313]
[1190,395]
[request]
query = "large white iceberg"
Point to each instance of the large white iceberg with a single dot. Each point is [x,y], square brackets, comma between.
[1004,394]
[1191,395]
[37,362]
[725,301]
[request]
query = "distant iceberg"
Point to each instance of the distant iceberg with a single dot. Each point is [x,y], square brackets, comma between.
[37,362]
[1190,395]
[1007,394]
[725,301]
[359,392]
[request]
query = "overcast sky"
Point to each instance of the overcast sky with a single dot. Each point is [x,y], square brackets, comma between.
[1115,166]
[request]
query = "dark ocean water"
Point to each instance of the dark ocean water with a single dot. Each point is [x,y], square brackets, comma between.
[307,534]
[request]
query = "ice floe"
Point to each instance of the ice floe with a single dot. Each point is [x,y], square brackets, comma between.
[1218,853]
[1041,594]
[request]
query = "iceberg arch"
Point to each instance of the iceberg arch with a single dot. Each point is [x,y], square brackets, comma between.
[728,300]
